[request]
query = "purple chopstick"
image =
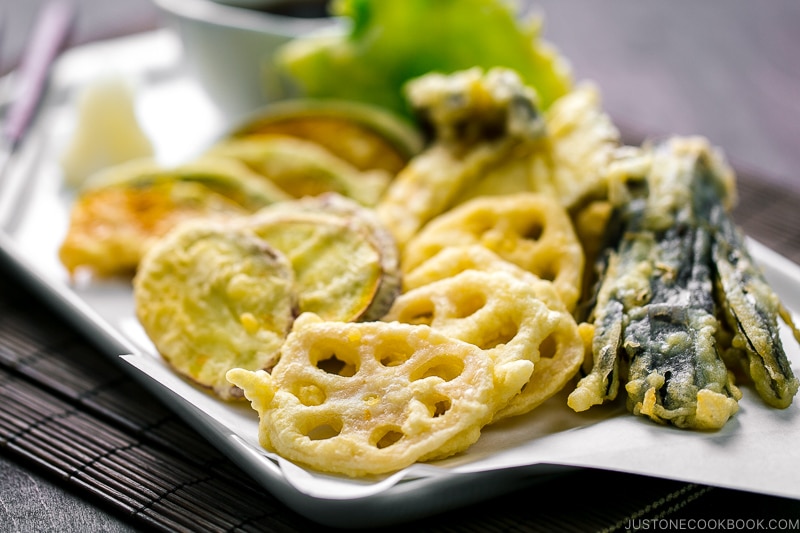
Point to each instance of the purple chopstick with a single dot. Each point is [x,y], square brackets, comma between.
[52,28]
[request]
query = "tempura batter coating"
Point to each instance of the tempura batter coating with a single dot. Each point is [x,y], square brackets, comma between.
[580,143]
[122,210]
[345,267]
[568,162]
[367,136]
[370,398]
[364,220]
[677,273]
[479,120]
[304,168]
[223,175]
[529,230]
[111,229]
[211,298]
[453,260]
[513,319]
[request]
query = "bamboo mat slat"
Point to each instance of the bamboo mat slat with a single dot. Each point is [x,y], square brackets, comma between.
[73,413]
[133,474]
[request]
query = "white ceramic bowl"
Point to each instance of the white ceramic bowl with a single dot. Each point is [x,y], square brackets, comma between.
[230,48]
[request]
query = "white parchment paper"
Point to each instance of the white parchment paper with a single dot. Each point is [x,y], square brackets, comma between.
[756,451]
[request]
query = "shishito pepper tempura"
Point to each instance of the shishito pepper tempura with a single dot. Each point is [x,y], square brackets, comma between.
[675,280]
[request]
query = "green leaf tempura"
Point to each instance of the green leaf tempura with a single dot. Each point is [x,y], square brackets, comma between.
[389,42]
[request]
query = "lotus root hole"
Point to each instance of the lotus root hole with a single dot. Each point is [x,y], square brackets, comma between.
[502,335]
[334,365]
[419,313]
[533,232]
[549,347]
[324,432]
[446,368]
[319,427]
[440,407]
[547,273]
[394,354]
[332,361]
[467,303]
[385,437]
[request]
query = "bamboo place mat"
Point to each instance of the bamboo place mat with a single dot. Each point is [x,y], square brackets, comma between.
[70,412]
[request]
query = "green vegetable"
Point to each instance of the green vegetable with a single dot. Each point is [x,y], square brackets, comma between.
[392,41]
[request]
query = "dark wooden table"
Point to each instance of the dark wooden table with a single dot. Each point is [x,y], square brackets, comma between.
[726,69]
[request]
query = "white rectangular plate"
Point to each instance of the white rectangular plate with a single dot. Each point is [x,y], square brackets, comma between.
[756,451]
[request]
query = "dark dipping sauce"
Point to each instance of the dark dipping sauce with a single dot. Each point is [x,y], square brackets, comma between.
[307,9]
